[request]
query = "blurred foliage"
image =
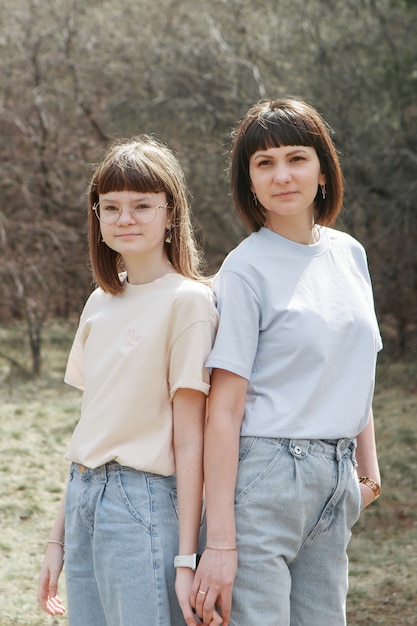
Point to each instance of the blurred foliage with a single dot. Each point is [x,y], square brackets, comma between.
[75,75]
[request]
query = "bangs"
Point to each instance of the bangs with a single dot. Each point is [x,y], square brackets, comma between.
[127,174]
[277,128]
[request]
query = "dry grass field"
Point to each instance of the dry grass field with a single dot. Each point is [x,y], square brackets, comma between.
[37,418]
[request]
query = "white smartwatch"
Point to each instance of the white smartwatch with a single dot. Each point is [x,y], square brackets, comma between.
[187,560]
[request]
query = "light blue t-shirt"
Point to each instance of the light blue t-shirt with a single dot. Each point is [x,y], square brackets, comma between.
[298,322]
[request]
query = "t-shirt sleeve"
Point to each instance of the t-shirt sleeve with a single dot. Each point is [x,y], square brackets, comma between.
[238,333]
[189,352]
[363,264]
[74,373]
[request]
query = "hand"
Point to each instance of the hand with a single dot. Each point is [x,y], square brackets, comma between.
[48,580]
[367,494]
[215,576]
[183,583]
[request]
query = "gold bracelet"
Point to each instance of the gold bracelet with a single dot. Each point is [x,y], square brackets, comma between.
[221,548]
[372,485]
[60,543]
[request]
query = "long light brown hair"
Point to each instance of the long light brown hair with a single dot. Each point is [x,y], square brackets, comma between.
[142,164]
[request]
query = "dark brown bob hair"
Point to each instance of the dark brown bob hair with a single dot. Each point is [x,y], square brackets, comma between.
[276,123]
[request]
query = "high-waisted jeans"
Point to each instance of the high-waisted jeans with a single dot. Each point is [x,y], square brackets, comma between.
[121,536]
[296,501]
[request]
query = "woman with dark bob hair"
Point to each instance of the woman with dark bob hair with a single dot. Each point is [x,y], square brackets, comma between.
[290,454]
[133,506]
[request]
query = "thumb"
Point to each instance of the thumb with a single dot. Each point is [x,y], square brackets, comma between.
[53,585]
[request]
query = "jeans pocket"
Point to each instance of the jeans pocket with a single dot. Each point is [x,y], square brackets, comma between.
[132,488]
[174,500]
[260,458]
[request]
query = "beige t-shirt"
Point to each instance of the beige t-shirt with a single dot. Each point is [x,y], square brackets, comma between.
[131,353]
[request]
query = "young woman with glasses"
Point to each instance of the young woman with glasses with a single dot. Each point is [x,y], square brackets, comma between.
[134,495]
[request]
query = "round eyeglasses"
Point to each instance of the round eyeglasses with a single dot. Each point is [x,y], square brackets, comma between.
[143,212]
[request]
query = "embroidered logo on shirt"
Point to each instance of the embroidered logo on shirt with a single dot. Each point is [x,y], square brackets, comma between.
[132,338]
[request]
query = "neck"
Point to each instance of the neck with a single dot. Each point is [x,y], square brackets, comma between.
[140,273]
[307,234]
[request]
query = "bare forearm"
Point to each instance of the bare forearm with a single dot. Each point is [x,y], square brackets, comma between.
[190,498]
[221,453]
[58,528]
[366,454]
[52,566]
[217,569]
[189,413]
[220,470]
[368,467]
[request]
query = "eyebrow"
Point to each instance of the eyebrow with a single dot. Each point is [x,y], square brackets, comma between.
[109,198]
[262,155]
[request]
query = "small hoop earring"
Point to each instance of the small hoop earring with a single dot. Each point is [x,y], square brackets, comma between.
[255,199]
[168,235]
[323,191]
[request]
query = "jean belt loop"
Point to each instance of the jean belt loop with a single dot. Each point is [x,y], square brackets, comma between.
[103,474]
[340,446]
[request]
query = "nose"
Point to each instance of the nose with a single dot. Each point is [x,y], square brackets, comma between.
[125,216]
[281,173]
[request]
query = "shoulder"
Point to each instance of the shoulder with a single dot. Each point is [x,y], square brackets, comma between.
[96,299]
[243,259]
[346,244]
[349,253]
[193,298]
[250,243]
[341,238]
[189,289]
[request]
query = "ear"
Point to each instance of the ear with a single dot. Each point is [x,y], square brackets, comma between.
[322,179]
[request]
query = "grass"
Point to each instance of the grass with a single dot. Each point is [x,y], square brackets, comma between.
[36,421]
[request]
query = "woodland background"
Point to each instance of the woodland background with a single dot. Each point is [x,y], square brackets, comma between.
[75,75]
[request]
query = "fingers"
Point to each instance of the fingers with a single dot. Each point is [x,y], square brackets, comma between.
[212,586]
[211,609]
[216,619]
[49,601]
[54,606]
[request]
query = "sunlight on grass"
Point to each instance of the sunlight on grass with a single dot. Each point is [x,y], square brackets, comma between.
[382,551]
[38,417]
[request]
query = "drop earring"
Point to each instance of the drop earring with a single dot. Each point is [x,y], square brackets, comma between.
[168,235]
[323,191]
[255,199]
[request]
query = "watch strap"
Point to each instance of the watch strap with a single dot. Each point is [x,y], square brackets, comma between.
[187,560]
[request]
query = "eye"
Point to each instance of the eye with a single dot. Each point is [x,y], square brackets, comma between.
[108,208]
[297,158]
[264,163]
[143,206]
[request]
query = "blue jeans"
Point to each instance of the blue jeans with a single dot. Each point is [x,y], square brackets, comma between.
[121,536]
[295,502]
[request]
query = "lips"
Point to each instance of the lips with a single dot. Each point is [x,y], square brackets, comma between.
[285,194]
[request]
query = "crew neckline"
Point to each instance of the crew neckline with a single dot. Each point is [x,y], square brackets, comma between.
[132,287]
[301,249]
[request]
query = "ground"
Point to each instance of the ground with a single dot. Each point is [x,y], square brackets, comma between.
[37,418]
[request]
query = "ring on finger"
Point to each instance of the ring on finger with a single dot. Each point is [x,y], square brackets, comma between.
[203,593]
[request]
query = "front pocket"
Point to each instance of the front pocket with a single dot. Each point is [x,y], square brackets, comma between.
[260,458]
[133,491]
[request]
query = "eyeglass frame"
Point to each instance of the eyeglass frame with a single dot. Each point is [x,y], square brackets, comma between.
[134,212]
